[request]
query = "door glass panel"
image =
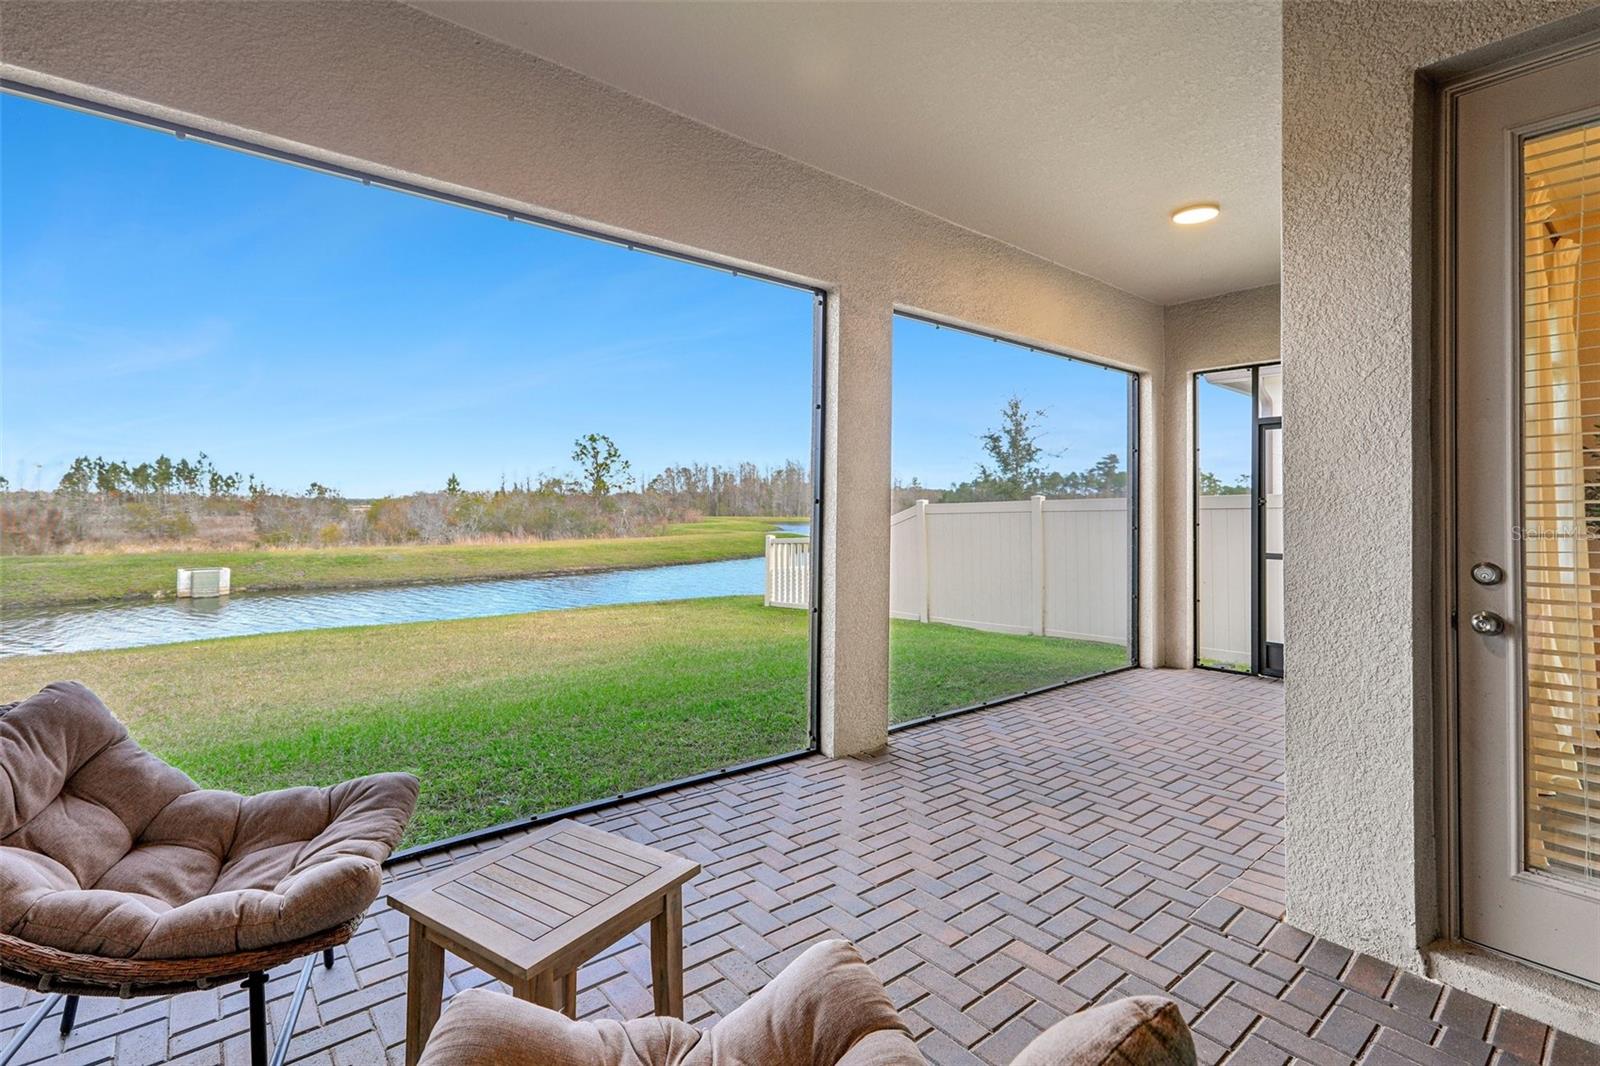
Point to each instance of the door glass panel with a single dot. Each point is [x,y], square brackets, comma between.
[1222,518]
[1272,576]
[1272,528]
[1560,532]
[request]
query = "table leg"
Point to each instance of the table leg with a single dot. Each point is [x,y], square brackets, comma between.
[666,955]
[569,994]
[547,990]
[544,990]
[424,990]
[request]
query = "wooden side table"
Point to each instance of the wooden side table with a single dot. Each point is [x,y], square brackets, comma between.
[531,912]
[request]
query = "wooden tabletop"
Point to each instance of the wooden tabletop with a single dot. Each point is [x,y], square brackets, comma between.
[549,900]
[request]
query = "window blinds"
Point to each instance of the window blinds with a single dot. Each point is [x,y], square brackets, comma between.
[1561,500]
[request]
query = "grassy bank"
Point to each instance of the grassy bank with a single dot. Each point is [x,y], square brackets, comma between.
[54,580]
[501,717]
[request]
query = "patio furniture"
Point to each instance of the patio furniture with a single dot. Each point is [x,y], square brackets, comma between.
[121,877]
[531,912]
[827,1008]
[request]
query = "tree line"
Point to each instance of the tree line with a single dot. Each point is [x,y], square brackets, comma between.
[109,503]
[602,471]
[156,478]
[1016,465]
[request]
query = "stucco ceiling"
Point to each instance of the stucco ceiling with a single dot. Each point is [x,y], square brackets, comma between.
[1071,130]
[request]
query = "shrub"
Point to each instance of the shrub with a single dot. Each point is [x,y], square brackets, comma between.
[285,520]
[387,522]
[31,524]
[152,522]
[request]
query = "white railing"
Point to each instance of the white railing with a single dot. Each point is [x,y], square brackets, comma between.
[788,571]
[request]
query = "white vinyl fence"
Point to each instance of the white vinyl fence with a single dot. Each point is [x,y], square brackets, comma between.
[1052,567]
[1224,573]
[1055,568]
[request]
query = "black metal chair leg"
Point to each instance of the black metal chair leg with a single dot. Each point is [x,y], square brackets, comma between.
[256,986]
[327,958]
[69,1014]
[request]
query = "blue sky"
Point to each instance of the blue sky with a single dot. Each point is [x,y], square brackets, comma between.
[950,387]
[1225,425]
[160,295]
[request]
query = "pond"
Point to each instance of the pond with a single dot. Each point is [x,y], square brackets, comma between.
[66,629]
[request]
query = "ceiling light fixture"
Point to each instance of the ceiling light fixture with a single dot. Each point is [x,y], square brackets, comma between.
[1195,214]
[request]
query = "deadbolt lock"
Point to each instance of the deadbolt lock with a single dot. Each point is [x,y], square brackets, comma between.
[1487,574]
[1488,623]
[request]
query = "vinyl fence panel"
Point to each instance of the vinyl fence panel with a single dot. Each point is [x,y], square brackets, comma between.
[1223,564]
[980,566]
[1087,585]
[1052,567]
[908,584]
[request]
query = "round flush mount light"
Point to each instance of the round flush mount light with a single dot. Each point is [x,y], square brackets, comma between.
[1194,214]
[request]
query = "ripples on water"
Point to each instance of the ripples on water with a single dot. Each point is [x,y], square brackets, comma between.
[55,630]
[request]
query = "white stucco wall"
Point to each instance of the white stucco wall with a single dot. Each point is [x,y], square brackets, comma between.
[380,86]
[1359,525]
[1235,329]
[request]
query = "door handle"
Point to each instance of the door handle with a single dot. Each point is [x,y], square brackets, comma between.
[1488,623]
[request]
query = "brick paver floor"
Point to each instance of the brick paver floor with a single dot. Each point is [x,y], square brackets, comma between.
[1002,869]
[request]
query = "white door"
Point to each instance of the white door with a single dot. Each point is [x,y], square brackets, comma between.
[1527,332]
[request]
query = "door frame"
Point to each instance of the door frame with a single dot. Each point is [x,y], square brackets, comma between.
[1258,631]
[1261,659]
[1436,333]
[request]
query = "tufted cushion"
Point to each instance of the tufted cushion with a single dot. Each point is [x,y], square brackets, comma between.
[825,1009]
[106,850]
[1137,1031]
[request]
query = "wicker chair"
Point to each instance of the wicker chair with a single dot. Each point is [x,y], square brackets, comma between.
[120,877]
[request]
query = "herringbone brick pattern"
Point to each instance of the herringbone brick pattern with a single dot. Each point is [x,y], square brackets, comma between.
[1002,869]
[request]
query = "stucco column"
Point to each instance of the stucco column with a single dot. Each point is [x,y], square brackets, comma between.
[1358,225]
[855,547]
[1174,469]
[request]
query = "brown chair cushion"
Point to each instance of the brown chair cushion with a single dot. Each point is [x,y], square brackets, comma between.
[106,850]
[827,1008]
[1138,1031]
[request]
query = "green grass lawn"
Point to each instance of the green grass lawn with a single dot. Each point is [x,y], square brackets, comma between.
[507,716]
[51,580]
[933,668]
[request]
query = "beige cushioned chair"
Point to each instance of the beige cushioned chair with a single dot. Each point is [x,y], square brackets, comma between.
[120,876]
[827,1008]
